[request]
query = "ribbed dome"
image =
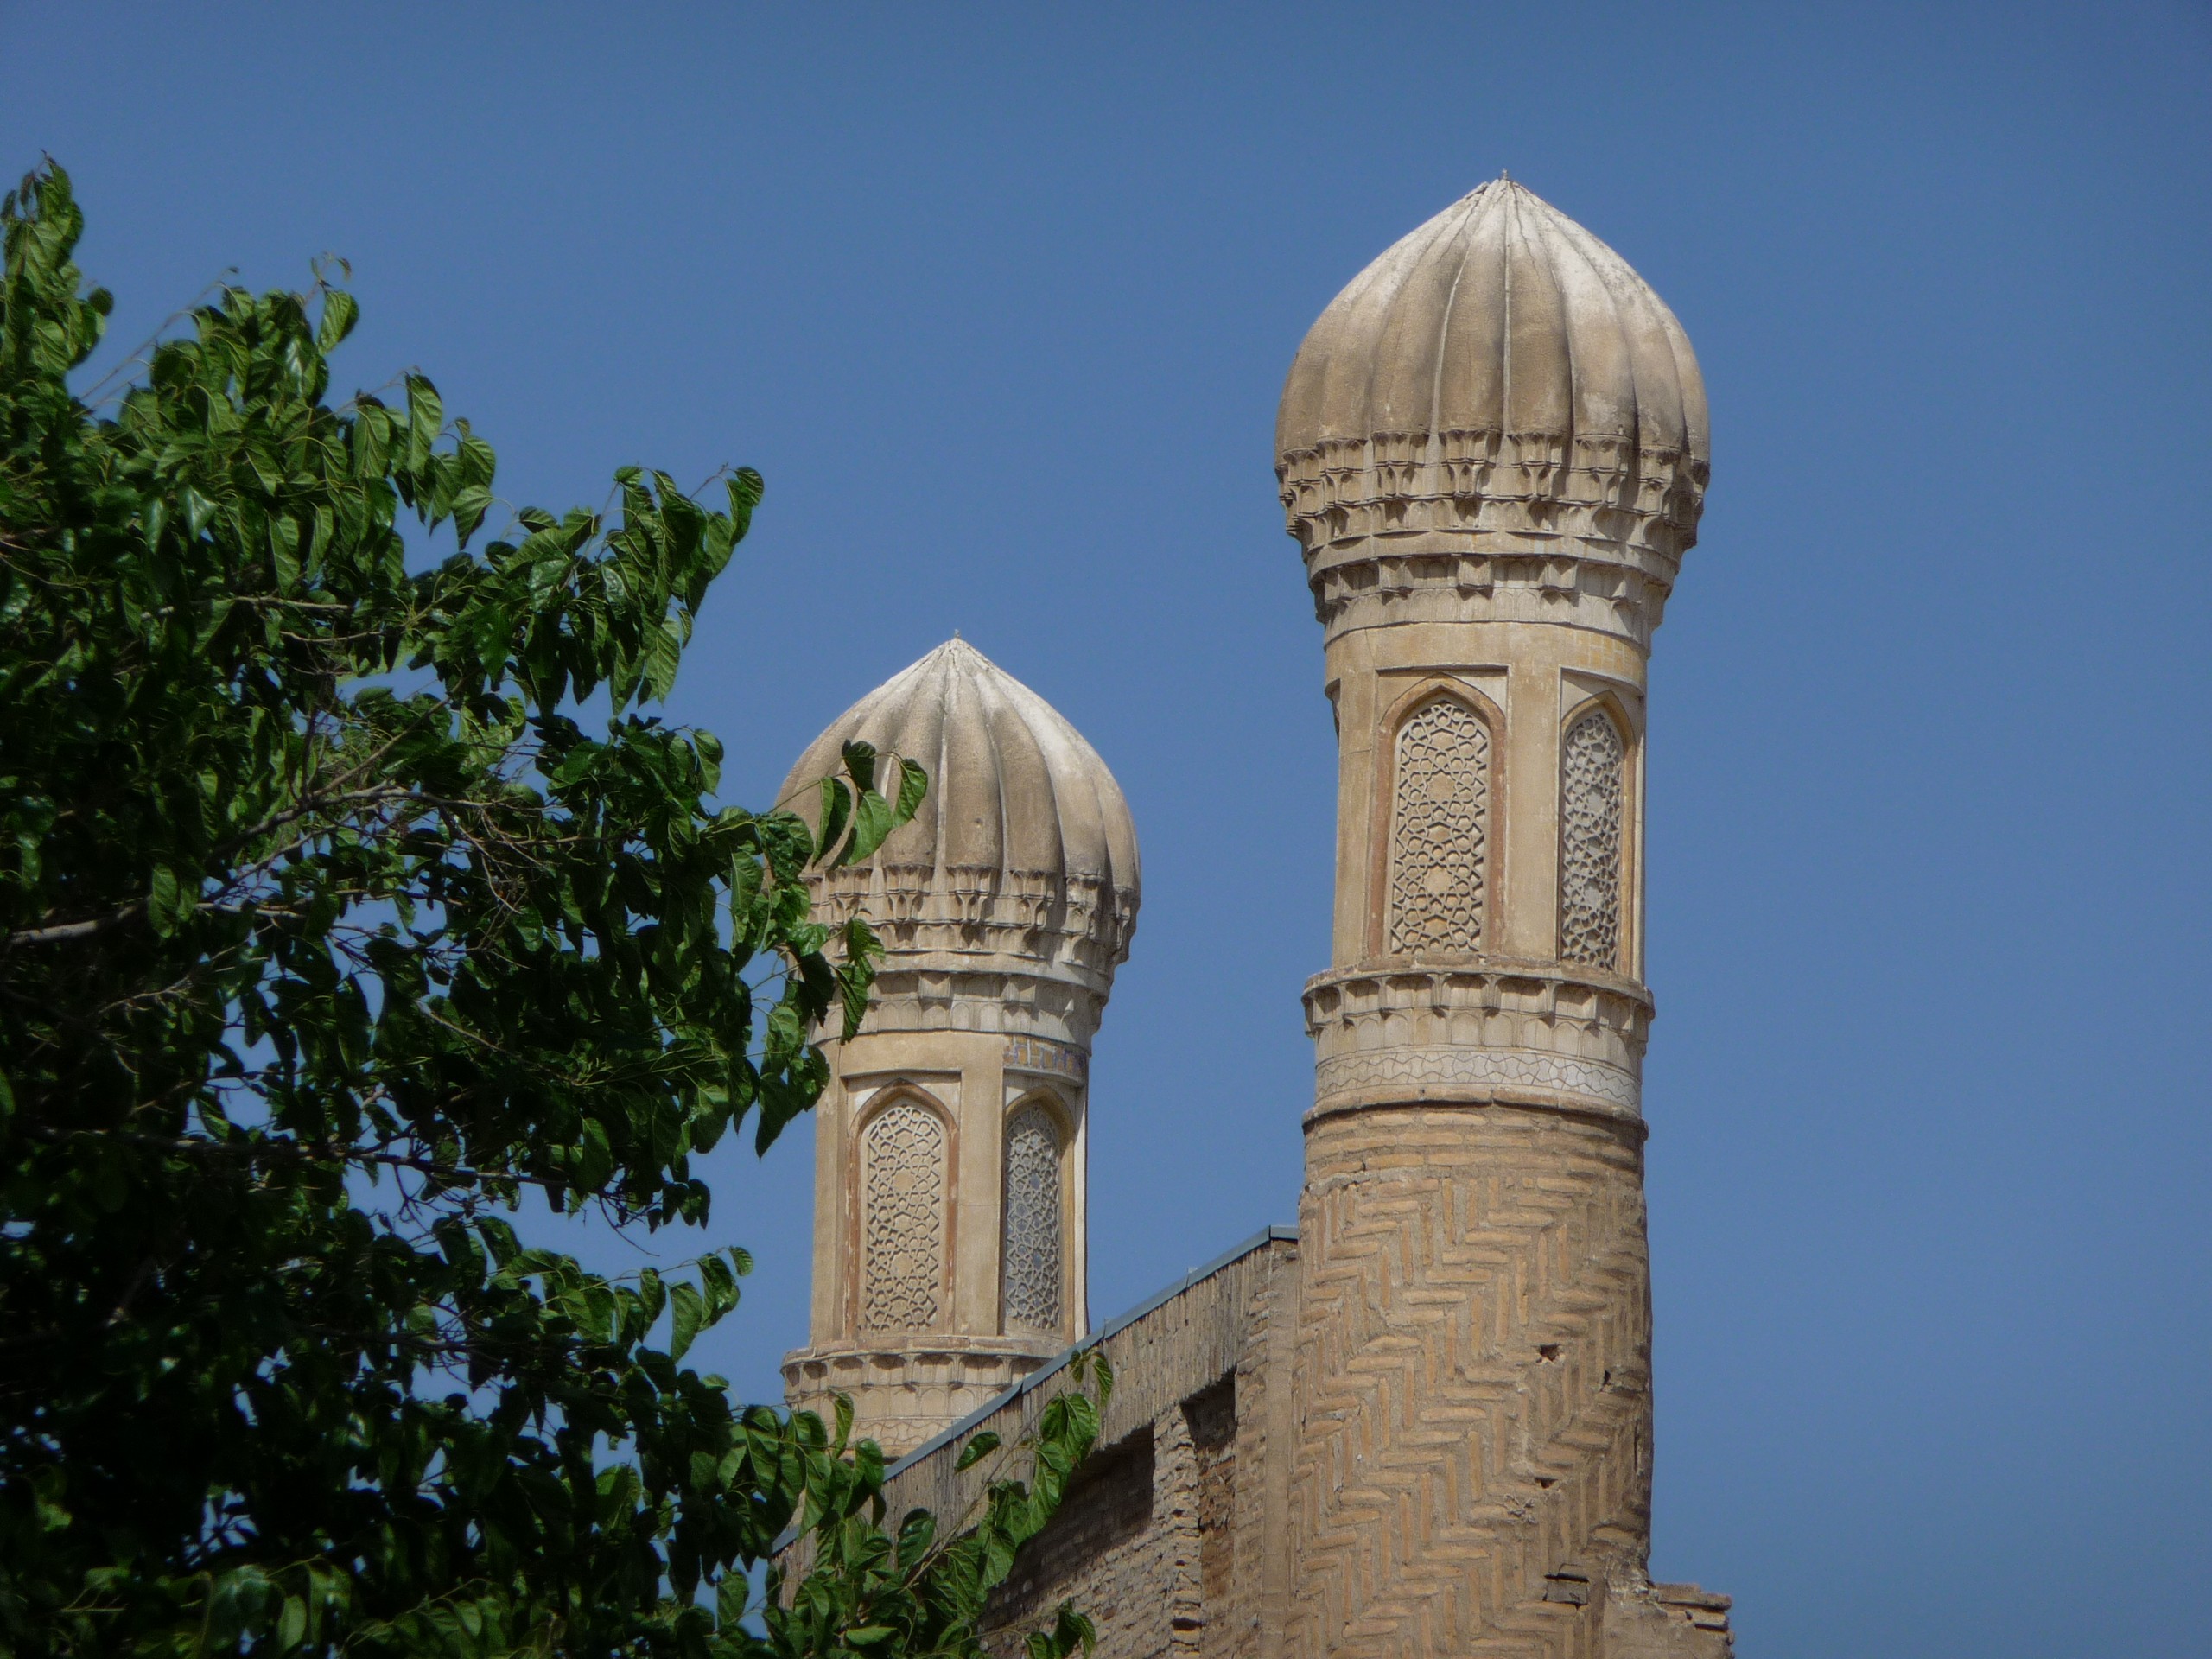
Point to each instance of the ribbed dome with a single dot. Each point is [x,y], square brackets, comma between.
[1499,354]
[1024,831]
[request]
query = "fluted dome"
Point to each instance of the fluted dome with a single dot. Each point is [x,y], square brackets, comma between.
[1023,848]
[1499,369]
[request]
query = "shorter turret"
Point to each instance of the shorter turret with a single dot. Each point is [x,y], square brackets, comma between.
[949,1146]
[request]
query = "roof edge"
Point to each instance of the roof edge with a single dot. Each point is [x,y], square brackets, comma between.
[973,1419]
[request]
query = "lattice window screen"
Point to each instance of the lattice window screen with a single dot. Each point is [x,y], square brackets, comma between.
[1590,792]
[902,1219]
[1439,826]
[1034,1223]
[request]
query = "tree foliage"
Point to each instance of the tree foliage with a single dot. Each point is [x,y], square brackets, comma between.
[332,943]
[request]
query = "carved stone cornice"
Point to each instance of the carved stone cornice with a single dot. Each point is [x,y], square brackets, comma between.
[1071,927]
[1486,1031]
[1597,490]
[919,994]
[1486,525]
[1432,577]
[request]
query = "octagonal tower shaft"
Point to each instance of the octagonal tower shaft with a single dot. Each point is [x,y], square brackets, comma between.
[1492,454]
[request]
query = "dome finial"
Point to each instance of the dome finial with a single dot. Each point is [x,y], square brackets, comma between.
[1504,177]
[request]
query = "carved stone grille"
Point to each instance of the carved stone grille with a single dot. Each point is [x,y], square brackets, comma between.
[1439,830]
[1032,1220]
[1590,843]
[902,1219]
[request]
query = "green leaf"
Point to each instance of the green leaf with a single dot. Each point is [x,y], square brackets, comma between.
[914,786]
[837,811]
[720,1285]
[860,763]
[426,418]
[979,1446]
[170,901]
[292,1623]
[340,311]
[664,653]
[872,823]
[730,1598]
[690,1317]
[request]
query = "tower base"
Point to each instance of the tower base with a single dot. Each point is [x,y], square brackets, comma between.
[904,1392]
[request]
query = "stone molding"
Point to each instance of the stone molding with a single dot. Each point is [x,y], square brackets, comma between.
[1048,1059]
[1072,927]
[1493,452]
[1488,1030]
[1346,1080]
[1595,490]
[1386,579]
[905,1392]
[911,996]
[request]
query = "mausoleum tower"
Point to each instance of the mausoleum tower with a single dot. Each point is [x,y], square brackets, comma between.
[1492,447]
[949,1250]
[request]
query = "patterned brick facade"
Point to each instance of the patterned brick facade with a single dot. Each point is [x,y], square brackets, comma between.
[1420,1426]
[1172,1538]
[1175,1537]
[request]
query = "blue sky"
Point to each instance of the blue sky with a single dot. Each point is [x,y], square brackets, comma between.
[1000,300]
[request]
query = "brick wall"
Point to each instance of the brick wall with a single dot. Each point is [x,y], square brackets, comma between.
[1165,1533]
[1177,1535]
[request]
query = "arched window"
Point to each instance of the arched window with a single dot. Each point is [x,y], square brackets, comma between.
[1031,1252]
[902,1218]
[1439,830]
[1590,792]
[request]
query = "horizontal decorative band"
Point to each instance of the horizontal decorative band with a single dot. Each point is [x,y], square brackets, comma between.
[1522,1068]
[1035,1054]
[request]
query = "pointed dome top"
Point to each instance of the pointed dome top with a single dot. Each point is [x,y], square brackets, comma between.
[1023,837]
[1513,356]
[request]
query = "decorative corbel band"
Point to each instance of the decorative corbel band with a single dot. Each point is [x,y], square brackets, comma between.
[950,995]
[1590,486]
[1538,1035]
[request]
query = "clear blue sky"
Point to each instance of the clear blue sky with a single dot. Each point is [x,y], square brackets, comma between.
[1001,300]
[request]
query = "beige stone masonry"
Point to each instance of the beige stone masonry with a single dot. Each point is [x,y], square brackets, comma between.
[948,1257]
[1492,451]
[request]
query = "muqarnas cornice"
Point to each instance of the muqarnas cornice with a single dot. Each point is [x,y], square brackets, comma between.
[1497,409]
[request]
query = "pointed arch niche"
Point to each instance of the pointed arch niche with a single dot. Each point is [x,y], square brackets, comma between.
[1596,835]
[1034,1210]
[902,1213]
[1438,875]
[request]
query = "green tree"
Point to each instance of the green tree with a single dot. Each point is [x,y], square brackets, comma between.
[330,939]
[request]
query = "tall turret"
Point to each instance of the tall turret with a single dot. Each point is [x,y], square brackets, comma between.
[1493,452]
[949,1250]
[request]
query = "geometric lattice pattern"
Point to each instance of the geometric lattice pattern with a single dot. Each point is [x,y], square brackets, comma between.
[1439,826]
[1031,1242]
[1590,792]
[902,1219]
[1472,1381]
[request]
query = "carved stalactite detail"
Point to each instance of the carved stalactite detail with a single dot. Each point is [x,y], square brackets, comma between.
[1590,792]
[1033,1225]
[902,1219]
[1439,830]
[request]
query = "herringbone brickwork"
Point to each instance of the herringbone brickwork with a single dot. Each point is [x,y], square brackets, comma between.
[1472,1381]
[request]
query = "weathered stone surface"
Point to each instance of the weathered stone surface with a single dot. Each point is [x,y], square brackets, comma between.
[1173,1539]
[1004,908]
[1500,406]
[1493,453]
[1420,1426]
